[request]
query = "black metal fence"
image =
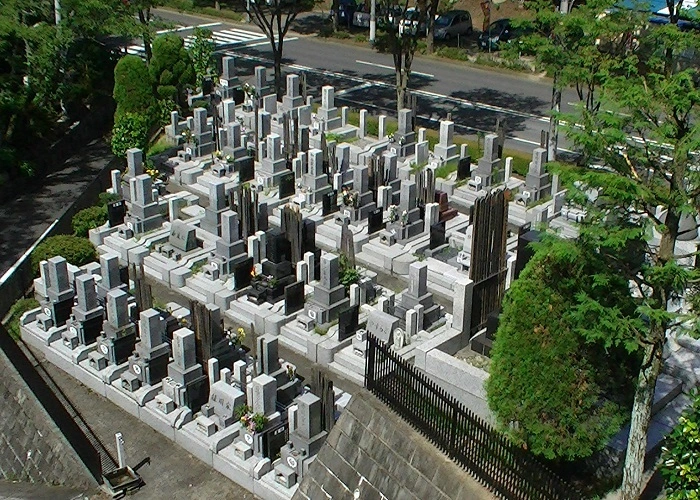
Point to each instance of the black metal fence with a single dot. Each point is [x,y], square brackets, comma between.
[506,469]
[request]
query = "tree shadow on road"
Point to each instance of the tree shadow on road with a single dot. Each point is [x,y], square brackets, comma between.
[515,102]
[311,24]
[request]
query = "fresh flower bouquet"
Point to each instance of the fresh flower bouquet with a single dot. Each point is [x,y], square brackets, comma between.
[255,422]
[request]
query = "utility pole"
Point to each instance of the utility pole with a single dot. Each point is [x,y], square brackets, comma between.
[57,11]
[373,22]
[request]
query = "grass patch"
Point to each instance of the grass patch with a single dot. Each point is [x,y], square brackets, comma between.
[443,171]
[502,62]
[454,53]
[521,160]
[16,311]
[159,146]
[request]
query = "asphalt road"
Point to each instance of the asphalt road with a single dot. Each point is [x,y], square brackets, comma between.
[363,78]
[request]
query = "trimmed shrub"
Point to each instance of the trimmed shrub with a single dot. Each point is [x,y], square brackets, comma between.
[77,251]
[551,389]
[16,311]
[87,219]
[105,198]
[133,92]
[171,68]
[130,131]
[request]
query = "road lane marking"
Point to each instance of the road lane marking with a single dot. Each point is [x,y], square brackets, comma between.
[366,63]
[268,43]
[185,28]
[379,83]
[353,89]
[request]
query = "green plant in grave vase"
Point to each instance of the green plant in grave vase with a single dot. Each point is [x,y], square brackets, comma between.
[240,411]
[393,213]
[404,218]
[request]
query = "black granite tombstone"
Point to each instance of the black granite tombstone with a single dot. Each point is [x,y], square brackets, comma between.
[277,270]
[330,203]
[525,250]
[238,95]
[347,322]
[263,223]
[242,273]
[116,211]
[246,169]
[293,297]
[278,247]
[308,235]
[437,235]
[273,440]
[286,187]
[464,168]
[375,221]
[317,265]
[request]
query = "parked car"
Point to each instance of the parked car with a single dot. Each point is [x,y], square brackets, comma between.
[346,12]
[412,22]
[361,17]
[499,32]
[452,23]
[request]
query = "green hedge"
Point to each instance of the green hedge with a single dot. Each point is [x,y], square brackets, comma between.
[18,309]
[87,219]
[77,251]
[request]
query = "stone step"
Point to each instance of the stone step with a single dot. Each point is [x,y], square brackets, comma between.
[325,243]
[667,388]
[370,261]
[349,361]
[192,294]
[348,374]
[292,344]
[295,334]
[669,415]
[683,364]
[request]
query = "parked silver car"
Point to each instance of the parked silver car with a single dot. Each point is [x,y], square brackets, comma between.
[453,23]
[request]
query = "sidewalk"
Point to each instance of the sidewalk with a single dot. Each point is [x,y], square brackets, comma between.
[24,219]
[173,473]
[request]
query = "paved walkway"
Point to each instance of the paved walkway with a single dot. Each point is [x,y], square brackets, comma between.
[24,219]
[173,473]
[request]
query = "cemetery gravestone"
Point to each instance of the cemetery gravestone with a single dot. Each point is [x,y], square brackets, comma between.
[347,322]
[242,274]
[293,297]
[246,169]
[116,211]
[382,326]
[287,187]
[437,235]
[375,221]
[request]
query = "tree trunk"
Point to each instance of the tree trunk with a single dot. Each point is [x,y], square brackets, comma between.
[217,5]
[144,19]
[554,120]
[401,82]
[336,14]
[429,36]
[430,25]
[641,415]
[277,52]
